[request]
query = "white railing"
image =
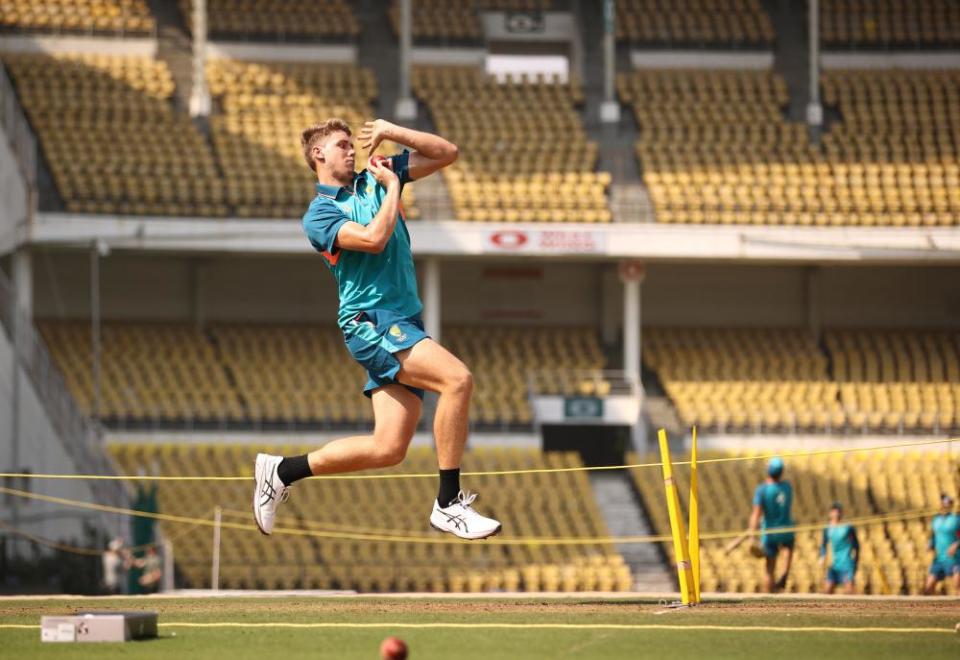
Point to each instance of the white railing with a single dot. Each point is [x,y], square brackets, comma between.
[598,383]
[758,423]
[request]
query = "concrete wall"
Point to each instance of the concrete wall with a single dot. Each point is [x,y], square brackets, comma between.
[891,297]
[237,288]
[40,450]
[723,295]
[282,289]
[529,291]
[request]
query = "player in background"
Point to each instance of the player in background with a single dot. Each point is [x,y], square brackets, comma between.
[944,541]
[841,538]
[356,224]
[772,501]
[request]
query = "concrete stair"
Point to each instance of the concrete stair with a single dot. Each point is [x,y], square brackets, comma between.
[175,49]
[791,54]
[379,50]
[662,415]
[615,496]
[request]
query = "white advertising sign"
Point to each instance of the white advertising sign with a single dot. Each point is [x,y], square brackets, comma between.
[544,241]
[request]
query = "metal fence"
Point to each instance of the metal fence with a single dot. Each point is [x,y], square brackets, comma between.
[81,438]
[18,130]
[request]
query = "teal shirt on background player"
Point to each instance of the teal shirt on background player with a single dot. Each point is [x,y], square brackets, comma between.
[843,541]
[945,532]
[385,281]
[775,500]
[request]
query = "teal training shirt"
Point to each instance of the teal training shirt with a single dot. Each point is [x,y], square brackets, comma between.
[365,281]
[775,499]
[946,532]
[843,541]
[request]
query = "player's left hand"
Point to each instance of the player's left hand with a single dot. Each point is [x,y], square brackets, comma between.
[373,133]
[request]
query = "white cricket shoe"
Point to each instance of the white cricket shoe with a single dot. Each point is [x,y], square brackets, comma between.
[268,491]
[461,520]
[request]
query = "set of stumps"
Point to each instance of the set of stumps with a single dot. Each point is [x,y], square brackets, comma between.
[686,549]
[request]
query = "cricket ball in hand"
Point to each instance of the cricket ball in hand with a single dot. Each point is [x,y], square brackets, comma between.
[393,648]
[380,161]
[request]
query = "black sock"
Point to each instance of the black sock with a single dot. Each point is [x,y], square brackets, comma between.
[293,469]
[449,486]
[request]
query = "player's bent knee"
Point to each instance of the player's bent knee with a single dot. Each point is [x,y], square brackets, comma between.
[391,454]
[461,383]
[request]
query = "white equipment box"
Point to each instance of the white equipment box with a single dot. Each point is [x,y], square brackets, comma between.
[98,627]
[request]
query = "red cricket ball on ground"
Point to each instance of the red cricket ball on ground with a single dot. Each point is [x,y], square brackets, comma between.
[393,648]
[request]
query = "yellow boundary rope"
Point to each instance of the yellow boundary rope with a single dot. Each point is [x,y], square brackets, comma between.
[434,539]
[487,473]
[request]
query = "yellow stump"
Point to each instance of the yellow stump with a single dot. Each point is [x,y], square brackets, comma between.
[694,548]
[680,549]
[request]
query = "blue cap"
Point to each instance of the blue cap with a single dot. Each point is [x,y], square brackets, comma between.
[775,466]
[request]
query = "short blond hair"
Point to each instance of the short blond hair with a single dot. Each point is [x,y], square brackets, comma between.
[314,135]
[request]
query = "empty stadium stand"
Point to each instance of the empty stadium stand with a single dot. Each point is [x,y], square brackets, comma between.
[325,556]
[898,380]
[715,148]
[894,159]
[694,23]
[286,20]
[780,379]
[111,137]
[894,557]
[131,152]
[263,109]
[441,21]
[503,359]
[515,165]
[125,17]
[891,24]
[295,375]
[155,372]
[457,21]
[292,373]
[744,378]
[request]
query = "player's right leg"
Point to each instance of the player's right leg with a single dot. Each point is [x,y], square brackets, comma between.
[930,585]
[430,366]
[396,411]
[787,549]
[830,583]
[771,568]
[933,578]
[848,587]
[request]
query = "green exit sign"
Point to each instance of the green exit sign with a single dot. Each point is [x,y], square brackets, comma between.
[582,407]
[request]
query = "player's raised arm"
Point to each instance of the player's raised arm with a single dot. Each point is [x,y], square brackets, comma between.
[428,154]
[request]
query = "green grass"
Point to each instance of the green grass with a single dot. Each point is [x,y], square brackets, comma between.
[463,642]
